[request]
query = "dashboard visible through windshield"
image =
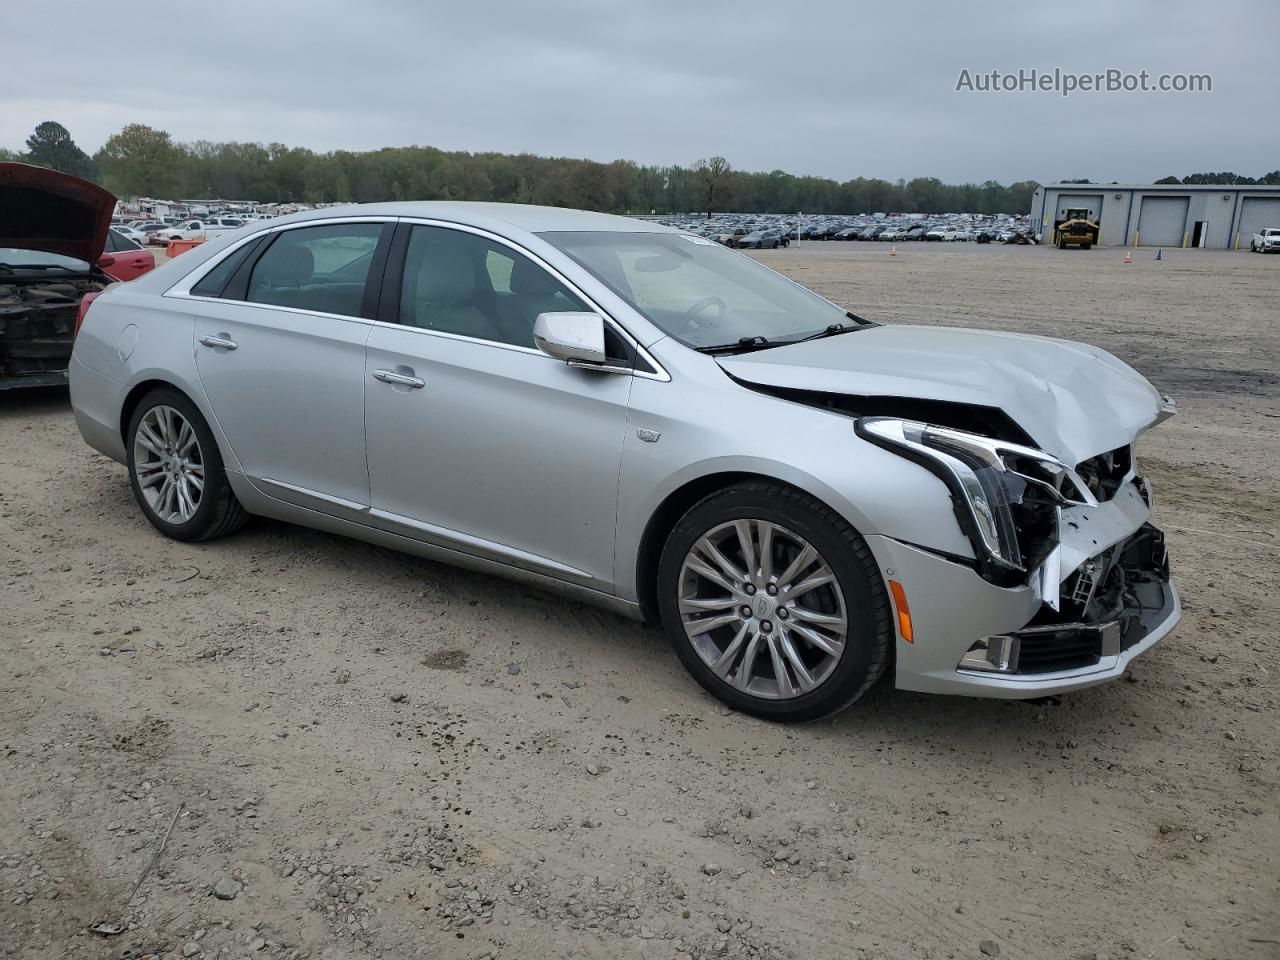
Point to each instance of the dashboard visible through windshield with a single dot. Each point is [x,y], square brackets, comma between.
[698,292]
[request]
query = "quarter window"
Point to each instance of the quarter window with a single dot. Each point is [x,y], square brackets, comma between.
[316,268]
[213,283]
[461,283]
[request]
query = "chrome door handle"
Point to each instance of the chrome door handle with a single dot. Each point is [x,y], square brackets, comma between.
[225,342]
[400,379]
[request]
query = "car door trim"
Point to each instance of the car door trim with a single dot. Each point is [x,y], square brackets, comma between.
[476,546]
[352,506]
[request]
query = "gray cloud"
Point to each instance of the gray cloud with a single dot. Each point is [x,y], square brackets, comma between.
[832,88]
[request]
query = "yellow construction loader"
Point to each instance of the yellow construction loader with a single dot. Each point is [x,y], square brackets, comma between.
[1076,230]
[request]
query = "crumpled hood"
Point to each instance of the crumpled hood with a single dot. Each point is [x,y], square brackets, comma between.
[42,209]
[1074,400]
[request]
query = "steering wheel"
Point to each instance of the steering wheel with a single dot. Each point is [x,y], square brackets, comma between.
[712,301]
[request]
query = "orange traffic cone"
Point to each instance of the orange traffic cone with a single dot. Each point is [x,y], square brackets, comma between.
[893,251]
[1127,258]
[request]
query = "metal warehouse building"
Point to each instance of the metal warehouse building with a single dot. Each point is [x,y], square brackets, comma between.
[1221,216]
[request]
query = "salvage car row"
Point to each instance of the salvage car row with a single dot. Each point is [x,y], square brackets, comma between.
[763,231]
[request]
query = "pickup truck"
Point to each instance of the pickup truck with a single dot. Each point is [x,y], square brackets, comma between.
[196,229]
[1266,240]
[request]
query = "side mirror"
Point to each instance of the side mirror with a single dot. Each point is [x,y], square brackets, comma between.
[571,336]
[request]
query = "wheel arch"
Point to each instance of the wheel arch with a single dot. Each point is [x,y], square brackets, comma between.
[134,397]
[155,380]
[668,513]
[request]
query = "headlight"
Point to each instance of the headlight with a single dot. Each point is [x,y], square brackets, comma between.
[1006,495]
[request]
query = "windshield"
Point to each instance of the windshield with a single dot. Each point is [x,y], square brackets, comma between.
[697,291]
[17,259]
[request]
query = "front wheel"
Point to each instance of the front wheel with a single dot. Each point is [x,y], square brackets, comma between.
[774,603]
[176,471]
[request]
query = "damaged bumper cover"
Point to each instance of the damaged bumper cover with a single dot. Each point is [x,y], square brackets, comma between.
[1102,597]
[1114,603]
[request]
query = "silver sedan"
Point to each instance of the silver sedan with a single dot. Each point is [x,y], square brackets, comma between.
[642,419]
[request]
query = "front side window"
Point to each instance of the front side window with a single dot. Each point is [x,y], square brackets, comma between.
[696,290]
[316,268]
[461,283]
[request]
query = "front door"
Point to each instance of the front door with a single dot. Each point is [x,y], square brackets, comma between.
[283,369]
[476,440]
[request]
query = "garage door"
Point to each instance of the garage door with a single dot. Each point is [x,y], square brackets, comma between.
[1256,213]
[1068,201]
[1163,221]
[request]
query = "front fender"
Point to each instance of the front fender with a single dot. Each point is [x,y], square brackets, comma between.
[740,431]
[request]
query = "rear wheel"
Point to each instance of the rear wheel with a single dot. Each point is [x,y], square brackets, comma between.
[176,471]
[774,603]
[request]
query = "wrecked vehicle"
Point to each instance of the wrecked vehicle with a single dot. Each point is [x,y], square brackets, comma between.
[639,418]
[53,228]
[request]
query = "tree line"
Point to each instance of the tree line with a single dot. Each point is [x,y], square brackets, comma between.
[140,161]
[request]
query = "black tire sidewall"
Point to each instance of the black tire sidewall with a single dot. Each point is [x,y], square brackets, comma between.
[215,479]
[860,582]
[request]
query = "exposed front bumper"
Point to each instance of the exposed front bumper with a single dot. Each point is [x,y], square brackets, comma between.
[952,609]
[48,378]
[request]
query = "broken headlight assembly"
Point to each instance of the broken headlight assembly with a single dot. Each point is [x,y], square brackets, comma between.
[1006,496]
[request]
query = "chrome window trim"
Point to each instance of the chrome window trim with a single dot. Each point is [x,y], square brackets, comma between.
[182,290]
[183,287]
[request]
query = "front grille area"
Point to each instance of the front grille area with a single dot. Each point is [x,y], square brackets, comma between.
[1110,604]
[1049,652]
[1105,473]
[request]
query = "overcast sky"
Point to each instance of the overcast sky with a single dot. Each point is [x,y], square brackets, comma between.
[839,89]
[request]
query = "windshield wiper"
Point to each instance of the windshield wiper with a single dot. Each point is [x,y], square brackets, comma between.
[744,345]
[831,330]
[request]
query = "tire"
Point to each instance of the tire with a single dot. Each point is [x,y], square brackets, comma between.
[216,510]
[856,596]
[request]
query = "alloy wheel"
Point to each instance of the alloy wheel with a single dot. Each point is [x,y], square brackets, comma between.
[762,609]
[168,464]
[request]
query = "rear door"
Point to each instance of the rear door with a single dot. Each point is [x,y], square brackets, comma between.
[477,440]
[123,259]
[280,353]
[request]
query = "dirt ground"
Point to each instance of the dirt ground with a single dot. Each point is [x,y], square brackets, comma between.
[373,755]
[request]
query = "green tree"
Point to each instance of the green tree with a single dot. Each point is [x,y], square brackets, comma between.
[713,183]
[140,161]
[50,145]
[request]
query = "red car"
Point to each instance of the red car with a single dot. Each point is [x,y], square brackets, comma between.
[125,259]
[54,229]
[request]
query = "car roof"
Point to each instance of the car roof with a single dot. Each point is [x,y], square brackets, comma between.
[521,216]
[516,221]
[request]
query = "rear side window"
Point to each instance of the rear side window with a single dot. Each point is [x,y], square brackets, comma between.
[213,283]
[119,243]
[322,269]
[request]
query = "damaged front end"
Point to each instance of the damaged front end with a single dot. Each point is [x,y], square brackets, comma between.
[37,325]
[1076,537]
[1107,607]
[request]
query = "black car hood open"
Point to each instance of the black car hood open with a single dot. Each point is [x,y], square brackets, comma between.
[42,209]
